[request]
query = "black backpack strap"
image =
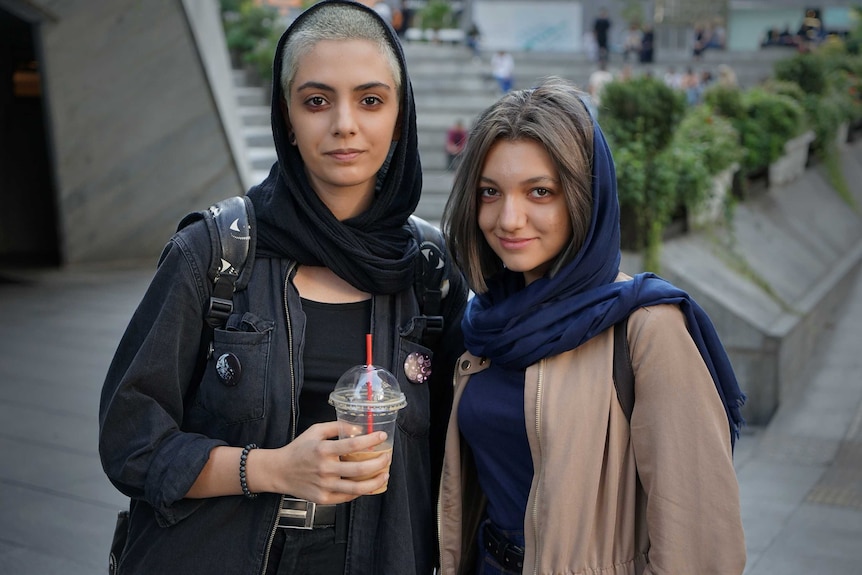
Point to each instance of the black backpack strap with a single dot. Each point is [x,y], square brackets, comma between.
[430,282]
[232,227]
[232,239]
[624,375]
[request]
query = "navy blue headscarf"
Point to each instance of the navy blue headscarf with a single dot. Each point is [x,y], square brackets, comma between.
[516,325]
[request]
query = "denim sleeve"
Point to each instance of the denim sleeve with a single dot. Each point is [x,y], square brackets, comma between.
[143,449]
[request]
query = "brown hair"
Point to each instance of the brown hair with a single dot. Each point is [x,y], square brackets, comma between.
[552,114]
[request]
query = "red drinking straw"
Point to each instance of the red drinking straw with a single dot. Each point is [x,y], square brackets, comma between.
[369,392]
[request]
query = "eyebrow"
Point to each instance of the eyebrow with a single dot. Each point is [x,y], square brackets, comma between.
[327,88]
[535,180]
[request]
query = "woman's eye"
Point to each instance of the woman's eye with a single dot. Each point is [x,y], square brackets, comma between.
[371,100]
[315,101]
[488,193]
[541,192]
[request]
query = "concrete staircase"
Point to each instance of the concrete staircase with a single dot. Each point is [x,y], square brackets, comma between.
[449,84]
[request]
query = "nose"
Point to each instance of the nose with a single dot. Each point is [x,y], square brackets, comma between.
[512,215]
[344,120]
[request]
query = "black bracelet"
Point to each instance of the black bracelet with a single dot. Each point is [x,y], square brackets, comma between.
[242,460]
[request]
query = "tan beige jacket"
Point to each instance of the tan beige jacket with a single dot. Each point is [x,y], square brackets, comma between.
[662,499]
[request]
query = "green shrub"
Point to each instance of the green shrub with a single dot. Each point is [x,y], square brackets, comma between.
[643,108]
[807,70]
[714,138]
[786,88]
[251,33]
[771,121]
[725,101]
[436,14]
[647,186]
[693,178]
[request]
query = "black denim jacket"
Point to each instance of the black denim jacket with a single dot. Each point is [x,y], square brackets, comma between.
[157,425]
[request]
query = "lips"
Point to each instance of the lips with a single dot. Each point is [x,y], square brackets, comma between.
[513,243]
[344,155]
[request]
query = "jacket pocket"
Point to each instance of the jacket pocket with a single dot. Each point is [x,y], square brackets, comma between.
[412,368]
[233,387]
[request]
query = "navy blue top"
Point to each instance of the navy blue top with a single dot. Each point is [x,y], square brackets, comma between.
[491,418]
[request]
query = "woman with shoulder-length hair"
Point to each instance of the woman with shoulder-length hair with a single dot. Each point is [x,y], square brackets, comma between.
[543,471]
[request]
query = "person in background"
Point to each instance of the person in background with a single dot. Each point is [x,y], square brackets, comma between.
[690,83]
[229,450]
[626,73]
[472,39]
[456,139]
[544,472]
[633,41]
[647,54]
[701,39]
[672,78]
[599,78]
[503,69]
[726,76]
[601,29]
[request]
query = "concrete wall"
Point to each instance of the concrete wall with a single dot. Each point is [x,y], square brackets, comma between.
[773,278]
[138,135]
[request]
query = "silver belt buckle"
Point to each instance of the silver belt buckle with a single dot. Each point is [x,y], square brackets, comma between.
[296,513]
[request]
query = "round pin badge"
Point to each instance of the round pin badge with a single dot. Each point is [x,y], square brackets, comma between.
[417,367]
[228,369]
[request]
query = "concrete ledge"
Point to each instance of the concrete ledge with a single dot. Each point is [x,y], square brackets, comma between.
[773,279]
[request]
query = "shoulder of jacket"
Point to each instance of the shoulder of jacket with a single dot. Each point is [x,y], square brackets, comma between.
[646,321]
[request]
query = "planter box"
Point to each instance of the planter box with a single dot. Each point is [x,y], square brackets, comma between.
[792,164]
[712,208]
[842,137]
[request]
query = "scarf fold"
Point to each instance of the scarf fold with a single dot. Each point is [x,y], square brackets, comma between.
[372,251]
[517,325]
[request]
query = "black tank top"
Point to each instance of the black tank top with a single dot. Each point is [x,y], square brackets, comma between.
[334,342]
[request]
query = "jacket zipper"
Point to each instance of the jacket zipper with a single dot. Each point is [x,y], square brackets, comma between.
[535,511]
[274,529]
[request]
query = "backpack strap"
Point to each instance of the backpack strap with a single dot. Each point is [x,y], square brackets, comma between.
[233,229]
[430,282]
[232,239]
[624,375]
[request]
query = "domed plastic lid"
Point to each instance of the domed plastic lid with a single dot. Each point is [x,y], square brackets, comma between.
[365,388]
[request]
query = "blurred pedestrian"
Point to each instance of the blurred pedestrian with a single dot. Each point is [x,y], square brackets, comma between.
[601,29]
[472,39]
[647,54]
[503,69]
[633,41]
[456,139]
[599,78]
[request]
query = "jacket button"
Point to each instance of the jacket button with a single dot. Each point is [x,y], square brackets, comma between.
[465,365]
[228,369]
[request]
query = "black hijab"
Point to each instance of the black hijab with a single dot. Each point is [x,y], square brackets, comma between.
[372,251]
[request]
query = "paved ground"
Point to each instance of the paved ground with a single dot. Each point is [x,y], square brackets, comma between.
[801,477]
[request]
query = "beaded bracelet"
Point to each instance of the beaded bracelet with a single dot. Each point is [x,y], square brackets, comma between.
[242,460]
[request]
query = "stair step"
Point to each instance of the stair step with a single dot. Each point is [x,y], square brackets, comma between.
[258,136]
[251,96]
[449,84]
[261,158]
[255,116]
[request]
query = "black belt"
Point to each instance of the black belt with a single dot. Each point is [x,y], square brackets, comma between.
[301,514]
[506,553]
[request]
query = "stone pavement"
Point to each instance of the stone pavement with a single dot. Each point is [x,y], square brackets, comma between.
[800,476]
